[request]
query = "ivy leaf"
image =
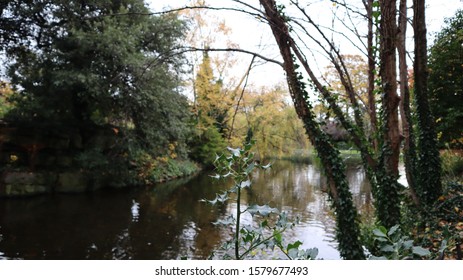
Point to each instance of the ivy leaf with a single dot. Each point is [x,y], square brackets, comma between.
[393,230]
[216,176]
[407,244]
[311,253]
[266,166]
[293,253]
[235,152]
[250,168]
[219,198]
[379,233]
[294,245]
[263,210]
[277,237]
[245,184]
[382,258]
[420,251]
[225,222]
[381,239]
[387,248]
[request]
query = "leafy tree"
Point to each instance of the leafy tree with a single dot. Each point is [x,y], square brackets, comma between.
[97,62]
[273,122]
[5,93]
[358,70]
[446,81]
[210,109]
[212,104]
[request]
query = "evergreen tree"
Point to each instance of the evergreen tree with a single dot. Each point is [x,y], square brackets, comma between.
[97,62]
[446,81]
[211,110]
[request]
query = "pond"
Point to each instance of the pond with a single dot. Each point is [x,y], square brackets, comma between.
[168,221]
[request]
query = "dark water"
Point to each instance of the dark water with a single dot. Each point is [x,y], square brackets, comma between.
[167,221]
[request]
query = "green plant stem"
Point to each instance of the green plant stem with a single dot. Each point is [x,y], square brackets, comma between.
[238,216]
[284,252]
[260,243]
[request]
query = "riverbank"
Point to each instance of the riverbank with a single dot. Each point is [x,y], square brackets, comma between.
[49,158]
[24,183]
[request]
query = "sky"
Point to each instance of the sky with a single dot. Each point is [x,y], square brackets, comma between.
[250,34]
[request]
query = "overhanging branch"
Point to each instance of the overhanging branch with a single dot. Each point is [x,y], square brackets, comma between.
[193,49]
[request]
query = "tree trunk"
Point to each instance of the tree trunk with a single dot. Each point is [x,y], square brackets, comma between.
[405,112]
[429,186]
[346,215]
[387,193]
[371,76]
[388,73]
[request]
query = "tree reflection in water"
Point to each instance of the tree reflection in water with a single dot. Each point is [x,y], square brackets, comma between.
[167,221]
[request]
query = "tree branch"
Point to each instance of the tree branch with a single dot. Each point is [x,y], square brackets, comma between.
[193,49]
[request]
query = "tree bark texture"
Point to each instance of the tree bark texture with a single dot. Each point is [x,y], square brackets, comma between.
[429,165]
[388,73]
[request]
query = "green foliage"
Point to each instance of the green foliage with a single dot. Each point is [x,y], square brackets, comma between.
[273,122]
[210,110]
[450,206]
[388,198]
[268,224]
[446,80]
[92,159]
[452,163]
[5,103]
[442,232]
[393,245]
[206,144]
[212,104]
[149,169]
[92,66]
[69,75]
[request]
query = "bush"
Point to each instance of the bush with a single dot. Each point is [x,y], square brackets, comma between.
[452,163]
[206,145]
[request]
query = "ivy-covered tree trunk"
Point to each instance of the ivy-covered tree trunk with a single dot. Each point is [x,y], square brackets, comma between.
[346,215]
[371,75]
[387,193]
[409,148]
[429,186]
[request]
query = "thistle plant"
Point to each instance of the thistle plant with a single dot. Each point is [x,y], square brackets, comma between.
[268,224]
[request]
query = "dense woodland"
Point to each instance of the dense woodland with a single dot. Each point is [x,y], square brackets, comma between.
[115,94]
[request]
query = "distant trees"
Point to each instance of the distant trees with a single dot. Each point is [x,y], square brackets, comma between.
[267,114]
[446,81]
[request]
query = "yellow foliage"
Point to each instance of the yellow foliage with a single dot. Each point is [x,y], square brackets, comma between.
[163,159]
[13,158]
[273,121]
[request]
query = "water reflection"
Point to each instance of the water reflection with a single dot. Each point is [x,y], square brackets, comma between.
[168,221]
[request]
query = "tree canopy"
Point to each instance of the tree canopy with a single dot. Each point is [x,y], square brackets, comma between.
[446,81]
[95,63]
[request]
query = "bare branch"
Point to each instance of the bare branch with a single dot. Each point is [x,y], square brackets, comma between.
[244,79]
[175,10]
[193,49]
